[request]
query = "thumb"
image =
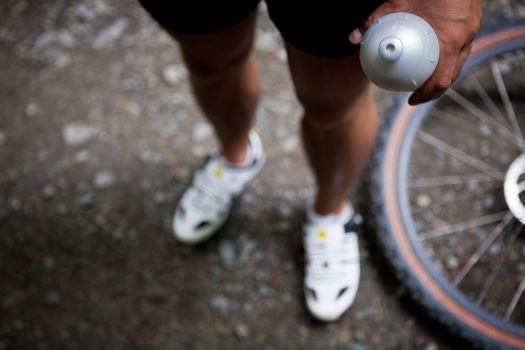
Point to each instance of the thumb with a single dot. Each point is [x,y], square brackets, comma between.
[356,36]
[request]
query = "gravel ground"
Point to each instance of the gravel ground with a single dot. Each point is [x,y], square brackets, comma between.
[98,137]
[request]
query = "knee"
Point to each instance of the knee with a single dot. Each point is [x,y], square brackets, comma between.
[211,68]
[324,110]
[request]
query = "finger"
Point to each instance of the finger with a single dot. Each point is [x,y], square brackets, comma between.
[438,82]
[356,36]
[463,56]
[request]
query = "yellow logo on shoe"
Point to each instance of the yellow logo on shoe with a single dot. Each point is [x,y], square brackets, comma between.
[217,173]
[322,234]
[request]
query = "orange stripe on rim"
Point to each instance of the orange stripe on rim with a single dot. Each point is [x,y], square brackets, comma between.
[392,154]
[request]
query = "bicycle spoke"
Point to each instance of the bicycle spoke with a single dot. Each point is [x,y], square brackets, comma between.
[515,300]
[462,226]
[496,269]
[452,180]
[463,196]
[457,122]
[496,73]
[480,114]
[489,103]
[459,155]
[486,244]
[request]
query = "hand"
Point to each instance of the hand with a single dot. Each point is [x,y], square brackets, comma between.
[456,23]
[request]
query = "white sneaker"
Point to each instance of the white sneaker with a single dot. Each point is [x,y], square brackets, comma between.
[331,263]
[206,203]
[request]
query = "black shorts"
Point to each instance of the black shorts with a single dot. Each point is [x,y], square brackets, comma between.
[317,27]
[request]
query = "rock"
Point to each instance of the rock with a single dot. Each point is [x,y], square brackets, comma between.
[198,151]
[104,179]
[356,346]
[18,325]
[52,299]
[495,249]
[228,254]
[62,209]
[15,203]
[77,133]
[173,74]
[48,192]
[31,109]
[265,41]
[452,262]
[82,156]
[263,290]
[86,200]
[53,38]
[161,197]
[290,144]
[423,200]
[360,335]
[49,263]
[246,248]
[431,346]
[84,13]
[110,33]
[221,305]
[241,331]
[202,131]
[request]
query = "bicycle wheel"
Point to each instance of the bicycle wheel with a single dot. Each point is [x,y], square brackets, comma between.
[448,187]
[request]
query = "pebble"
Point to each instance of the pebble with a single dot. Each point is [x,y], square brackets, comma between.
[18,325]
[356,346]
[52,299]
[31,109]
[77,133]
[82,156]
[495,249]
[174,74]
[49,263]
[162,197]
[265,41]
[62,38]
[48,192]
[360,335]
[84,13]
[228,254]
[431,346]
[110,33]
[290,144]
[263,290]
[452,262]
[202,131]
[104,179]
[246,247]
[423,200]
[86,200]
[241,331]
[221,305]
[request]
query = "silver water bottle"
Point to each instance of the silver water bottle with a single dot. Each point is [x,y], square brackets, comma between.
[399,52]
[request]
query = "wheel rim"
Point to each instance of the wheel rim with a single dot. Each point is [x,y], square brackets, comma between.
[462,307]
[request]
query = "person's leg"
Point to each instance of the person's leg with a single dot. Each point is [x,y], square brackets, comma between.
[339,125]
[216,41]
[225,80]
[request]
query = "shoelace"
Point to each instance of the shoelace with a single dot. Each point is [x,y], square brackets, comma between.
[329,263]
[208,195]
